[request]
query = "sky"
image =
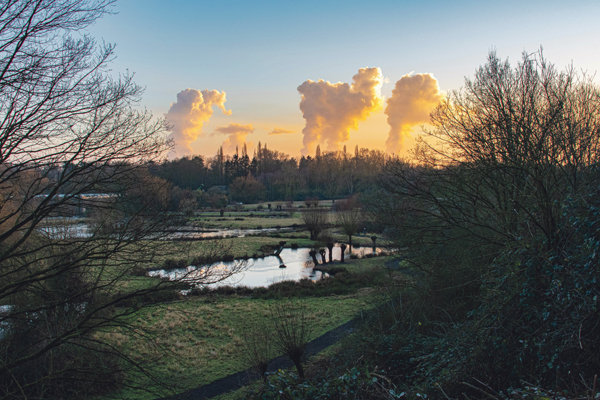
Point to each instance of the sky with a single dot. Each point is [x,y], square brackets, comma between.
[224,73]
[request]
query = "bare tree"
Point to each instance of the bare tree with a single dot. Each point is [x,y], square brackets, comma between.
[315,220]
[258,348]
[505,154]
[492,211]
[71,144]
[291,323]
[348,217]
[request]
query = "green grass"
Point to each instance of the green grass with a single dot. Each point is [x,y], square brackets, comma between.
[361,265]
[284,205]
[237,247]
[199,339]
[363,241]
[247,222]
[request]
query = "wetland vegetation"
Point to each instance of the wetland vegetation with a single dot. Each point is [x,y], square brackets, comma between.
[470,271]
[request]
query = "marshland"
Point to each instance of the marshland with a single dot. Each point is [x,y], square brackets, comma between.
[384,237]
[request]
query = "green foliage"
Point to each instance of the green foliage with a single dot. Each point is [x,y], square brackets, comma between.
[540,315]
[356,383]
[500,237]
[247,189]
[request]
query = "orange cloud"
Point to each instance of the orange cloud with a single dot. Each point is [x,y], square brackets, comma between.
[186,117]
[279,131]
[412,101]
[331,110]
[237,136]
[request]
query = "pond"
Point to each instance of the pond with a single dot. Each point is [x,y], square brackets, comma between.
[266,271]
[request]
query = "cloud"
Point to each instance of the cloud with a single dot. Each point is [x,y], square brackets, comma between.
[237,136]
[331,110]
[412,101]
[186,117]
[279,131]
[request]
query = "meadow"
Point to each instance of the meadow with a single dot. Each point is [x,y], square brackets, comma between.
[190,341]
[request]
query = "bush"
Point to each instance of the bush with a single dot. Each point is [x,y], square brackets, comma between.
[354,383]
[171,263]
[138,270]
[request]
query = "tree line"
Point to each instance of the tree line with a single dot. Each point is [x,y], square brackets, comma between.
[271,175]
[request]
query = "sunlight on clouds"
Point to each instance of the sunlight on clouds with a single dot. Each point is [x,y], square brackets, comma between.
[187,116]
[280,131]
[412,101]
[331,110]
[237,136]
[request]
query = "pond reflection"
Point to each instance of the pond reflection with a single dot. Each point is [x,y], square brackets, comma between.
[266,271]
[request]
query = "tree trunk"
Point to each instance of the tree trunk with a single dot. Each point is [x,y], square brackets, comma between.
[313,254]
[322,253]
[298,364]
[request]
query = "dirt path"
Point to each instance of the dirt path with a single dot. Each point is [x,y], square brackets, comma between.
[240,379]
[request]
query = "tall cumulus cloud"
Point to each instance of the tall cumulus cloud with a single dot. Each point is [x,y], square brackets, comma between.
[412,101]
[237,136]
[186,117]
[331,110]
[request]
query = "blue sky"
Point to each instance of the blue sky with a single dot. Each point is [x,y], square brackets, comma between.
[259,52]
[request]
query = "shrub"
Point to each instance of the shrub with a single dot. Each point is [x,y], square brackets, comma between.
[354,383]
[138,270]
[292,330]
[171,263]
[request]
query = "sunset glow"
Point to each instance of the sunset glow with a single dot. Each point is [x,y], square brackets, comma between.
[287,68]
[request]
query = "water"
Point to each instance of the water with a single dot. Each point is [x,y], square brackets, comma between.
[264,271]
[81,231]
[224,233]
[73,231]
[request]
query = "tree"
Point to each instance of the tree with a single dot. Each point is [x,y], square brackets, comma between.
[348,217]
[505,153]
[292,328]
[70,140]
[315,220]
[257,350]
[246,189]
[492,211]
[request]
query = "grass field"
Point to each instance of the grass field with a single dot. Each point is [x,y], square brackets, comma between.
[237,247]
[285,205]
[198,340]
[236,221]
